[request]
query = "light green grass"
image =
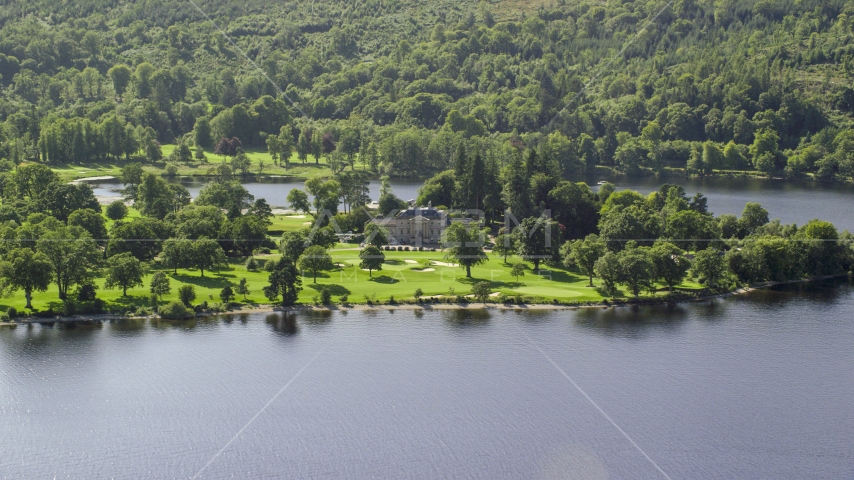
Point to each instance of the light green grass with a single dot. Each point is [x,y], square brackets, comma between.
[256,155]
[398,278]
[288,223]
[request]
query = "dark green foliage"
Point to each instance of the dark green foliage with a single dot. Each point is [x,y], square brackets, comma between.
[117,210]
[123,271]
[406,93]
[284,282]
[315,259]
[174,311]
[187,294]
[141,237]
[325,296]
[464,245]
[539,240]
[481,291]
[226,294]
[26,270]
[372,258]
[159,284]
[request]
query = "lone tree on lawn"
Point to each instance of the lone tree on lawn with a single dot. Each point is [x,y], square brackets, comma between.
[187,293]
[284,281]
[315,259]
[117,210]
[177,253]
[124,271]
[505,245]
[207,254]
[242,288]
[372,259]
[518,270]
[464,245]
[160,285]
[26,270]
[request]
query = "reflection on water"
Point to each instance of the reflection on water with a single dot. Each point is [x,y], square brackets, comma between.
[632,321]
[163,324]
[824,292]
[466,317]
[317,317]
[283,322]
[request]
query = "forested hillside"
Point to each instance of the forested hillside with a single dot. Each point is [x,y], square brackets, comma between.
[400,85]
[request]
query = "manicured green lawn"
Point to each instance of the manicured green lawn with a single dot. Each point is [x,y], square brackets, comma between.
[287,223]
[402,274]
[256,156]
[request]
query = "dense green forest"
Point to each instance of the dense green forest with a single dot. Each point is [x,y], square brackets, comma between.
[704,86]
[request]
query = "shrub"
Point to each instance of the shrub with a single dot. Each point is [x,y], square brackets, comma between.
[343,298]
[174,311]
[219,307]
[4,317]
[391,300]
[418,293]
[262,251]
[325,296]
[153,301]
[86,293]
[481,291]
[12,312]
[251,264]
[69,307]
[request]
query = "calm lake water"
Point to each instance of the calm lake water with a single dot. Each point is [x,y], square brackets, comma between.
[276,191]
[759,386]
[791,202]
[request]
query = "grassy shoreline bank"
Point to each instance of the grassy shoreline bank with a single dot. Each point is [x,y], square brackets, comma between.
[424,306]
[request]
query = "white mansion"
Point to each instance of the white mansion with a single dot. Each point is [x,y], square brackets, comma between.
[418,225]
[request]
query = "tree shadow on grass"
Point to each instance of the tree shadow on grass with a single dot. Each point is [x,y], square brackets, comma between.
[206,282]
[310,276]
[131,300]
[393,261]
[384,279]
[336,290]
[560,276]
[492,283]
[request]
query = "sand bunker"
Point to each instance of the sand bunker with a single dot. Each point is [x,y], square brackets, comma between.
[410,261]
[423,269]
[445,264]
